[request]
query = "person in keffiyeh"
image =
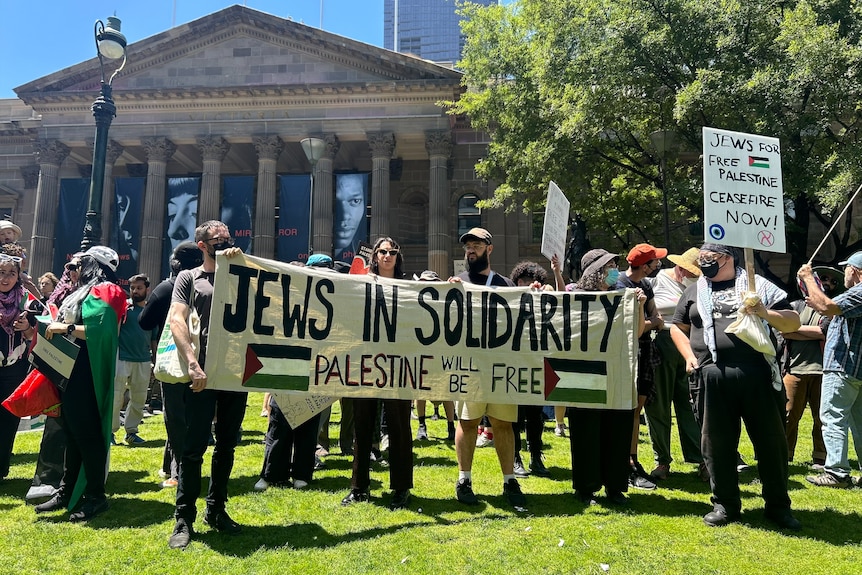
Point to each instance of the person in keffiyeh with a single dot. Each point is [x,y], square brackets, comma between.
[90,316]
[733,382]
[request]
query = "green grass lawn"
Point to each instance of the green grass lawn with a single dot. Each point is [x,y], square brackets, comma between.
[290,531]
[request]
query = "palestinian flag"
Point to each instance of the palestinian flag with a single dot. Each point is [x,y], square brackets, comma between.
[103,310]
[758,162]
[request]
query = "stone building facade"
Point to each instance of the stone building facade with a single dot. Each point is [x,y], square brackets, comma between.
[234,93]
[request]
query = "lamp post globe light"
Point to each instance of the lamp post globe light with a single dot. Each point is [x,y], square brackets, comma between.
[313,148]
[111,45]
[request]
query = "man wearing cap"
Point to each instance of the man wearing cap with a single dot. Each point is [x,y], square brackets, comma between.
[671,380]
[477,251]
[644,260]
[733,382]
[840,398]
[195,288]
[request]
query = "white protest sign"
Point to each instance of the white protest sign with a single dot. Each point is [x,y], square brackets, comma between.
[300,407]
[743,202]
[556,223]
[277,327]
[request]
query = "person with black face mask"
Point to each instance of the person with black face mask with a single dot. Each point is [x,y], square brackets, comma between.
[195,288]
[731,382]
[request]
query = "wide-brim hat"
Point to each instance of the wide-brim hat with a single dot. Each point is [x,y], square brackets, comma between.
[594,260]
[687,261]
[837,275]
[8,225]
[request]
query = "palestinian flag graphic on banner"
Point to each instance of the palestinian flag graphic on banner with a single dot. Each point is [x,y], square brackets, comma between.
[758,162]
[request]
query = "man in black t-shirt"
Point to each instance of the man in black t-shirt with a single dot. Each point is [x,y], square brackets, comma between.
[644,260]
[732,381]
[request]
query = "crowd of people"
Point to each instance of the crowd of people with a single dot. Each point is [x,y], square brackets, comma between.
[688,365]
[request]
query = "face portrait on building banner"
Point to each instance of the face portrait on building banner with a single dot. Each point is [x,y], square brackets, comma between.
[237,205]
[71,214]
[181,215]
[126,232]
[349,222]
[287,328]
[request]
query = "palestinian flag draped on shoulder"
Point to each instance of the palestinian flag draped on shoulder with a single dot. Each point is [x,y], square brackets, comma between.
[103,310]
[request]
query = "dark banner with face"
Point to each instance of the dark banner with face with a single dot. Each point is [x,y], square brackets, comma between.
[181,215]
[237,205]
[293,215]
[349,222]
[126,230]
[71,214]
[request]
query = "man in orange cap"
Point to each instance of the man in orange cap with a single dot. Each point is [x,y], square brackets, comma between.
[644,260]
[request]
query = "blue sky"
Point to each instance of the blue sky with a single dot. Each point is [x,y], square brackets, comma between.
[44,36]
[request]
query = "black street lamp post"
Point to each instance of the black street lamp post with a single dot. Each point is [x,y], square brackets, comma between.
[111,44]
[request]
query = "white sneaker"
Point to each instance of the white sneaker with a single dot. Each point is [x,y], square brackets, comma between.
[560,430]
[484,441]
[300,484]
[261,485]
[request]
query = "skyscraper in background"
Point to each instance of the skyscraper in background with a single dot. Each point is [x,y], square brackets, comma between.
[425,28]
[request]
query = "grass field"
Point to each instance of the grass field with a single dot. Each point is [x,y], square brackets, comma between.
[290,531]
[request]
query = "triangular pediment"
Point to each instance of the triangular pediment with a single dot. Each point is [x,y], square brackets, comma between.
[242,48]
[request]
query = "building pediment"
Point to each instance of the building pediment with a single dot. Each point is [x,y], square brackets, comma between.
[239,48]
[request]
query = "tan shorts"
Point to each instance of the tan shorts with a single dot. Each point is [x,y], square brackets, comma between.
[467,410]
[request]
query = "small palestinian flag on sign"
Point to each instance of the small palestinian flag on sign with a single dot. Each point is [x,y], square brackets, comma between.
[758,162]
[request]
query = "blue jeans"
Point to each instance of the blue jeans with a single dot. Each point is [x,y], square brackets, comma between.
[840,412]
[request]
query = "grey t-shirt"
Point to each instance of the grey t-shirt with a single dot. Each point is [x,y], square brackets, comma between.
[203,296]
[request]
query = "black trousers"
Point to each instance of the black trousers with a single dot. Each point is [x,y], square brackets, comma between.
[228,407]
[530,420]
[52,452]
[400,442]
[85,445]
[728,396]
[600,441]
[289,452]
[11,377]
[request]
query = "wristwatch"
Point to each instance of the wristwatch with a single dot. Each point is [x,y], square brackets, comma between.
[70,329]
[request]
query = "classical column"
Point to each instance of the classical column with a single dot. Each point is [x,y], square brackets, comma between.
[323,197]
[382,145]
[49,155]
[159,151]
[268,149]
[213,149]
[114,152]
[439,146]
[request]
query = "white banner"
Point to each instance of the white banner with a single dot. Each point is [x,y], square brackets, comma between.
[556,223]
[277,327]
[743,202]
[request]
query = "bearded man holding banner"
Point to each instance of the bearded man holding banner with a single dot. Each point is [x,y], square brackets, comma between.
[732,382]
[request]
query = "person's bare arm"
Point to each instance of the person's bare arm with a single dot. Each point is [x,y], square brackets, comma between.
[806,333]
[816,300]
[178,317]
[679,334]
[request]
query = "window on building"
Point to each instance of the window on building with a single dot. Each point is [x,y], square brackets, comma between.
[411,45]
[469,215]
[538,224]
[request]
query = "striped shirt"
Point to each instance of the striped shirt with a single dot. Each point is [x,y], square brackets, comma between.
[844,338]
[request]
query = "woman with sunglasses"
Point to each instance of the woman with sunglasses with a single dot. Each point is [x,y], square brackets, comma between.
[90,316]
[386,262]
[16,330]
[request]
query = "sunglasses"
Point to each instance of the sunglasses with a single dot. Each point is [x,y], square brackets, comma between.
[7,257]
[225,239]
[387,252]
[72,267]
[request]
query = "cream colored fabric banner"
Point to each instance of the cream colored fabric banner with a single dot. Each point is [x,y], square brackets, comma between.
[278,327]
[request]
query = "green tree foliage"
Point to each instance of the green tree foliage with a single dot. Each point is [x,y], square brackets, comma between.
[571,91]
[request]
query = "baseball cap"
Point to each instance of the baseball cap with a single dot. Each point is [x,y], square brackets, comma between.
[643,253]
[480,234]
[427,276]
[189,255]
[319,261]
[855,260]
